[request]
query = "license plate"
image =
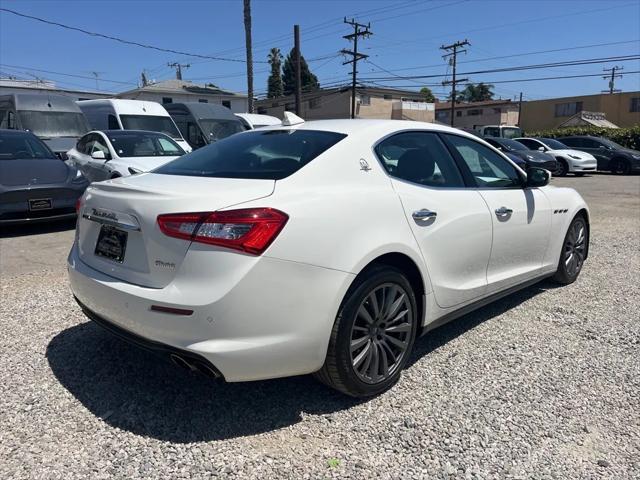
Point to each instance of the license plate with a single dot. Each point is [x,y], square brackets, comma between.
[40,204]
[111,243]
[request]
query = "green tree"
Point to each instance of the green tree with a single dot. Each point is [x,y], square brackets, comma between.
[309,82]
[274,82]
[428,94]
[475,92]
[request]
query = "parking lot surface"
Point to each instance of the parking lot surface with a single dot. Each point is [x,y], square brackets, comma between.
[542,384]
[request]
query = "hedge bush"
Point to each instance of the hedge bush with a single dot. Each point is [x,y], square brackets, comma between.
[627,137]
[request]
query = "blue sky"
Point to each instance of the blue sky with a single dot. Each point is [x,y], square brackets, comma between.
[406,35]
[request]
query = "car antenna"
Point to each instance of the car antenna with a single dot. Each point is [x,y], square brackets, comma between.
[291,118]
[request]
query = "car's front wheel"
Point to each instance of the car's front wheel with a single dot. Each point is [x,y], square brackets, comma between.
[562,168]
[620,166]
[574,251]
[373,334]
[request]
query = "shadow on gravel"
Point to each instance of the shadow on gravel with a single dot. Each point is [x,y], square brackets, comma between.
[22,230]
[137,391]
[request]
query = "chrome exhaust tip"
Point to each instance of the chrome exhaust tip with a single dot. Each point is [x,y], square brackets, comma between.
[206,370]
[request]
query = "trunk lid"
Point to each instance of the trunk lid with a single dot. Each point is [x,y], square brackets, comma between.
[132,205]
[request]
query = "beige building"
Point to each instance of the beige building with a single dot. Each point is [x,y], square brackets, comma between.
[477,114]
[370,103]
[621,109]
[178,91]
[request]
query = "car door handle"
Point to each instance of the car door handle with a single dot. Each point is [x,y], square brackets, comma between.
[423,214]
[503,211]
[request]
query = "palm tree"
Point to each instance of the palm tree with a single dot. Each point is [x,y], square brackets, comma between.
[477,92]
[247,35]
[274,82]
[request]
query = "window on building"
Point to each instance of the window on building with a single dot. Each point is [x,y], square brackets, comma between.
[226,103]
[365,100]
[568,109]
[474,112]
[203,100]
[497,110]
[442,115]
[314,102]
[459,113]
[635,105]
[167,100]
[387,97]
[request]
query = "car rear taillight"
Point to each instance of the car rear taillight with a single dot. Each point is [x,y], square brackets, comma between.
[78,204]
[250,230]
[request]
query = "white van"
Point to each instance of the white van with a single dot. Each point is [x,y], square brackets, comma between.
[117,114]
[501,131]
[251,121]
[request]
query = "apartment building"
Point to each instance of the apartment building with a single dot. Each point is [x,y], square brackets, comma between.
[476,114]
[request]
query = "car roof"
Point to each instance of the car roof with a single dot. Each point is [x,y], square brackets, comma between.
[380,126]
[202,111]
[9,131]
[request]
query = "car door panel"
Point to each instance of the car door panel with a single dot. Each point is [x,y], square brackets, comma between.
[521,217]
[520,238]
[456,244]
[451,224]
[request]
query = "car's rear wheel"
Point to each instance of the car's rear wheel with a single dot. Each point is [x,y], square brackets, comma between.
[620,166]
[561,168]
[373,334]
[574,251]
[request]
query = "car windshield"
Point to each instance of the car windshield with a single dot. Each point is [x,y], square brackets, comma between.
[53,124]
[152,123]
[267,154]
[216,130]
[511,132]
[143,144]
[512,145]
[553,144]
[22,146]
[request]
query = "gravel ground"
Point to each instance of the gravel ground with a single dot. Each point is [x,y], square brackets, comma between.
[542,384]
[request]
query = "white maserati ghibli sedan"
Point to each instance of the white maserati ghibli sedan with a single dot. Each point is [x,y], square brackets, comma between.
[323,247]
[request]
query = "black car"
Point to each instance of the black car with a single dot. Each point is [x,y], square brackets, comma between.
[35,185]
[610,156]
[532,158]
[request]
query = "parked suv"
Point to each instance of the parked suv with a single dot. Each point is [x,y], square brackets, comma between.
[609,154]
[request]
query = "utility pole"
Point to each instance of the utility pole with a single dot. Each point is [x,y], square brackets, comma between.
[296,43]
[612,78]
[454,49]
[359,30]
[178,67]
[249,52]
[97,75]
[520,110]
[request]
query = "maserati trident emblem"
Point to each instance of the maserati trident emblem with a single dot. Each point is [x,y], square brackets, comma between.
[364,166]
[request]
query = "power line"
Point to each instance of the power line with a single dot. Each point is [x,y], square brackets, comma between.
[588,61]
[121,40]
[65,74]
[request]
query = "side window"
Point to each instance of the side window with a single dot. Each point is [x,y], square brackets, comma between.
[488,168]
[572,142]
[588,143]
[530,144]
[82,144]
[113,123]
[11,120]
[492,132]
[97,143]
[419,157]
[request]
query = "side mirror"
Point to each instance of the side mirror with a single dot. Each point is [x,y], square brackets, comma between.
[537,177]
[541,149]
[98,155]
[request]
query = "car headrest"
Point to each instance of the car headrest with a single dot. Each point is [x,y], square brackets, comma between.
[415,165]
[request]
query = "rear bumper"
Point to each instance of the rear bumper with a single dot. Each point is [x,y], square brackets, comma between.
[275,321]
[14,204]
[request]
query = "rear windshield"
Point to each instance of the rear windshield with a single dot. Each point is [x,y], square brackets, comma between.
[153,123]
[17,146]
[267,154]
[53,124]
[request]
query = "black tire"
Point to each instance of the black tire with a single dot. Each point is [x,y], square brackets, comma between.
[562,168]
[620,166]
[338,370]
[574,251]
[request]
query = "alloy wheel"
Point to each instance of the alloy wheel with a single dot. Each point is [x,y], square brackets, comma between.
[575,248]
[381,333]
